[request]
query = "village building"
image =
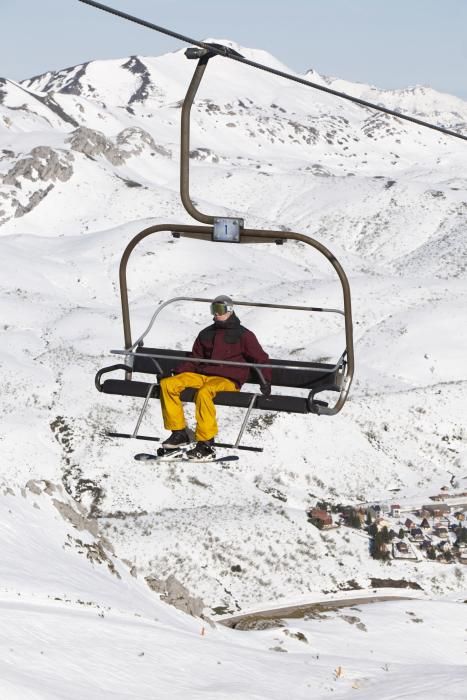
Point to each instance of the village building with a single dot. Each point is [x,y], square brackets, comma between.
[444,546]
[321,517]
[425,525]
[409,524]
[402,547]
[441,532]
[395,510]
[416,534]
[382,522]
[435,510]
[374,512]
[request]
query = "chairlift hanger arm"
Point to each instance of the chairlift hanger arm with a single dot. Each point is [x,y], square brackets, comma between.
[226,52]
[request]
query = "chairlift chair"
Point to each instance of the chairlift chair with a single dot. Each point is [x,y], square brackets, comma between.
[310,377]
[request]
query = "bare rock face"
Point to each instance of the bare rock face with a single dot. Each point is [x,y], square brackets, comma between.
[42,164]
[34,200]
[129,142]
[23,182]
[77,519]
[99,550]
[91,143]
[72,511]
[257,624]
[38,486]
[22,190]
[134,140]
[174,593]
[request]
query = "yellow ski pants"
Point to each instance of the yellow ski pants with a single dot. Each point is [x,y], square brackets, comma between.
[207,387]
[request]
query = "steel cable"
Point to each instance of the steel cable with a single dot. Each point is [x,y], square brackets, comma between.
[224,51]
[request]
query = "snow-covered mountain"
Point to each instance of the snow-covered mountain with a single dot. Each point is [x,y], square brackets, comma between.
[89,156]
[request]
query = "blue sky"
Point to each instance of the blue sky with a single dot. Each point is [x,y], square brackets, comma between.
[388,44]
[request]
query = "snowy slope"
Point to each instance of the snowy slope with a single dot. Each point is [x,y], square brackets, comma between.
[76,624]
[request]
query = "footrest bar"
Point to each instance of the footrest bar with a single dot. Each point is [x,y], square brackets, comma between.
[238,447]
[129,435]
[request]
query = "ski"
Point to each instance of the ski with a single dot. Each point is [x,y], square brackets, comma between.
[180,459]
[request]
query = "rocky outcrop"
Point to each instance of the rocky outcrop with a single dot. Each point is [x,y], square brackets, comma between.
[93,143]
[34,200]
[174,593]
[133,140]
[42,164]
[129,142]
[137,67]
[98,549]
[47,165]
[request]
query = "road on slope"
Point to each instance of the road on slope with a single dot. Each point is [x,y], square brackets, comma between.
[298,611]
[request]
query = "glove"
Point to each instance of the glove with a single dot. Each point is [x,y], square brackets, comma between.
[266,389]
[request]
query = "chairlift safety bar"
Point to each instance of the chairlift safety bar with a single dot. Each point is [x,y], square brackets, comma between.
[202,360]
[236,303]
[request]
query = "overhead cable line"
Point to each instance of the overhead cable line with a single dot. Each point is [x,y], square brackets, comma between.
[234,56]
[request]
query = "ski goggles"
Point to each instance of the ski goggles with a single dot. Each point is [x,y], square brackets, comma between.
[219,308]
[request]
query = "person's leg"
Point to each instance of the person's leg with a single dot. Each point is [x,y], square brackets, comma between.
[206,423]
[171,405]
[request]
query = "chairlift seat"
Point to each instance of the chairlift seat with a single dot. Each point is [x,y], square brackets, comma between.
[313,377]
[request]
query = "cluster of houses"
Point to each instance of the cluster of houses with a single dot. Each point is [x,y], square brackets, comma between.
[431,531]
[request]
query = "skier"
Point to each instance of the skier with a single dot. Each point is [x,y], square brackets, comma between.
[225,339]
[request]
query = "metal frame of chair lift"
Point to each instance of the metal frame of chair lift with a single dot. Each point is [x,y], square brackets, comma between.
[345,364]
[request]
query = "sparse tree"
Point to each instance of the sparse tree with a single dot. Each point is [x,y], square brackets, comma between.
[323,505]
[385,534]
[354,519]
[401,533]
[378,549]
[461,533]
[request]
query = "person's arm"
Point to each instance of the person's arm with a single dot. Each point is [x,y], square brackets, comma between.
[253,352]
[187,366]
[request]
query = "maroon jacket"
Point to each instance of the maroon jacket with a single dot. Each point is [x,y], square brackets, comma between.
[227,340]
